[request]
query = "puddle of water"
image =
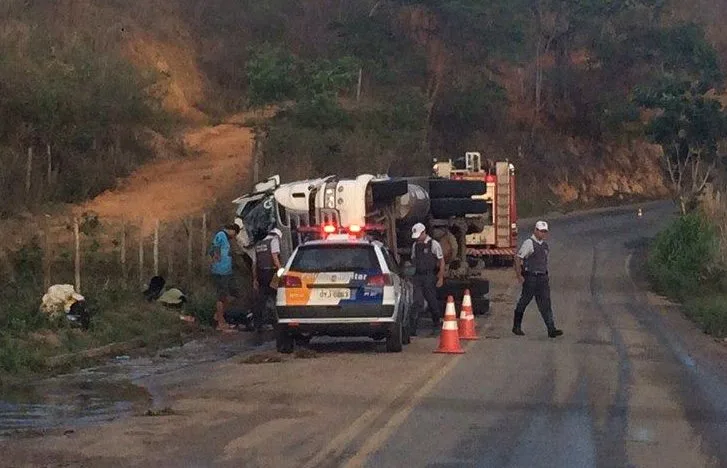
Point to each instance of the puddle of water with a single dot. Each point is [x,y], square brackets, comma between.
[122,387]
[64,402]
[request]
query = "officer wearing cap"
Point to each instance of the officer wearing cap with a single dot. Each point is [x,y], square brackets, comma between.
[531,267]
[428,260]
[266,264]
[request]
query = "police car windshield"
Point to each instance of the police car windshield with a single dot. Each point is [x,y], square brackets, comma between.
[326,258]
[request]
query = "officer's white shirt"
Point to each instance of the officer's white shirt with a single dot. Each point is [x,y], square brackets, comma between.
[527,249]
[274,244]
[436,248]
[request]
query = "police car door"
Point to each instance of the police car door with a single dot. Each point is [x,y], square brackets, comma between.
[395,276]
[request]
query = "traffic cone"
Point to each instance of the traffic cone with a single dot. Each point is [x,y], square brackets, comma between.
[449,338]
[467,319]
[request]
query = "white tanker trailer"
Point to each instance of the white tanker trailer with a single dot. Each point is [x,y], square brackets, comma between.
[381,207]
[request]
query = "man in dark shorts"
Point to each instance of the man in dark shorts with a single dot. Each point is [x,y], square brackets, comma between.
[222,273]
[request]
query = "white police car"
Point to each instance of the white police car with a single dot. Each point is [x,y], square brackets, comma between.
[342,286]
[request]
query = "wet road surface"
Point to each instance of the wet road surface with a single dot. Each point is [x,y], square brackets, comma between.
[631,383]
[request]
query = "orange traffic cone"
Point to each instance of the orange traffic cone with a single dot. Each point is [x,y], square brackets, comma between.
[467,319]
[449,339]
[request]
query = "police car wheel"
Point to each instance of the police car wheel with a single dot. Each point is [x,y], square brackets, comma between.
[284,342]
[394,342]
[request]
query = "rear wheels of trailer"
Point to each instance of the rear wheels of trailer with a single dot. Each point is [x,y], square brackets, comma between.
[479,289]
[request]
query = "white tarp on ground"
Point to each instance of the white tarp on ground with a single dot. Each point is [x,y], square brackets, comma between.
[59,299]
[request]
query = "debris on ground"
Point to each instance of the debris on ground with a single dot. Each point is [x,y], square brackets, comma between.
[262,358]
[304,353]
[63,300]
[166,411]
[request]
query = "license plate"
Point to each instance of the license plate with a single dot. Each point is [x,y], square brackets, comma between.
[340,294]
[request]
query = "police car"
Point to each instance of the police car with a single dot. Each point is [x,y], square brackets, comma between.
[343,285]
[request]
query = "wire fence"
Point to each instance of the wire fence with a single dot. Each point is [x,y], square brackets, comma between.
[92,253]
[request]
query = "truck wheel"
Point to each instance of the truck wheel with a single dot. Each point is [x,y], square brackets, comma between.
[303,340]
[456,188]
[480,306]
[444,208]
[480,287]
[394,342]
[284,342]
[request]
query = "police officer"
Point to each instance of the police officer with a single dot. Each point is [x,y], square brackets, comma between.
[428,260]
[267,263]
[531,268]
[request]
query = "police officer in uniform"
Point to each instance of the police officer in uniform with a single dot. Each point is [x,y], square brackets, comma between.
[267,263]
[428,260]
[531,267]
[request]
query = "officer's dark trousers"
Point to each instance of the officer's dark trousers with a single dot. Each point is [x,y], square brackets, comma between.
[537,286]
[264,293]
[425,288]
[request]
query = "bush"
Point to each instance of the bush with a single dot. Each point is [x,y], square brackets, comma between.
[17,356]
[710,313]
[90,107]
[681,257]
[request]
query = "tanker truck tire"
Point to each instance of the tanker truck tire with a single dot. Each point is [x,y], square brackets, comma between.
[479,288]
[455,188]
[480,306]
[444,208]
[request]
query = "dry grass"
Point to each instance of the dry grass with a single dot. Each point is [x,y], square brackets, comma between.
[714,205]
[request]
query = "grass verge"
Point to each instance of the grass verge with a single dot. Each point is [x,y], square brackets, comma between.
[681,265]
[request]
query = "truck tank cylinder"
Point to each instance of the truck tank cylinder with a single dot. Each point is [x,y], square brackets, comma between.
[414,205]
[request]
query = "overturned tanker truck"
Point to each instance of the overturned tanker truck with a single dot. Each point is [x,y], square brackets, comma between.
[458,212]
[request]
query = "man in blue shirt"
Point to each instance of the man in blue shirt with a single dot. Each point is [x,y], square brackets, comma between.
[222,272]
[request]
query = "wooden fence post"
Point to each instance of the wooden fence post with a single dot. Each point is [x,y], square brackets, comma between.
[189,226]
[170,253]
[203,263]
[122,253]
[49,168]
[47,256]
[29,170]
[141,252]
[156,248]
[77,263]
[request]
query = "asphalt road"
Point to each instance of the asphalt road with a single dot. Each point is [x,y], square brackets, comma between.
[631,383]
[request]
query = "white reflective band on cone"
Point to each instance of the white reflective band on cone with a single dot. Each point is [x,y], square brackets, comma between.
[467,301]
[449,325]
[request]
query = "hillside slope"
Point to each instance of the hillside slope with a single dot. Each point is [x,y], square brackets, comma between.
[175,188]
[200,53]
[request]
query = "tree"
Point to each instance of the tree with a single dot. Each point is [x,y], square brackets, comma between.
[689,126]
[688,122]
[272,74]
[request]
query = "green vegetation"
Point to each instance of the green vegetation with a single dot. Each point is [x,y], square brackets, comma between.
[29,337]
[682,266]
[681,257]
[85,114]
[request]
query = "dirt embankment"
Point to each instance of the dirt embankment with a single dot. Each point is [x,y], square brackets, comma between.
[173,189]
